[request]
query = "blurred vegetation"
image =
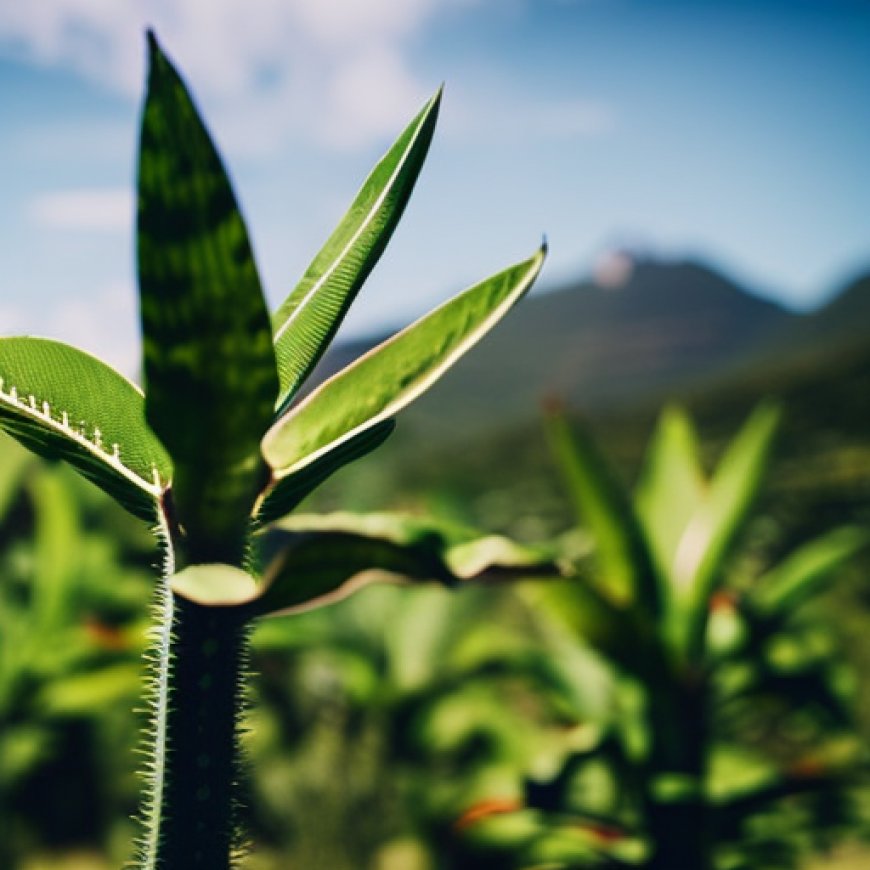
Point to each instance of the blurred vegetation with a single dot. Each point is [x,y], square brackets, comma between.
[729,741]
[423,729]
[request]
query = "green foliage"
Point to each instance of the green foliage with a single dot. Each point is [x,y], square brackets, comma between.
[419,702]
[307,320]
[323,557]
[71,635]
[62,403]
[382,382]
[209,365]
[217,437]
[702,663]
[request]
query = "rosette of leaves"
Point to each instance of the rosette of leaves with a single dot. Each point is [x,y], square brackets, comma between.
[219,444]
[729,742]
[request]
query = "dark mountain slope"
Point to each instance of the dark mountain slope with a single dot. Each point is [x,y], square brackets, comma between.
[667,327]
[844,321]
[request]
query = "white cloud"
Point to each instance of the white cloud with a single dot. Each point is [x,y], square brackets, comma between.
[307,54]
[371,95]
[336,72]
[103,210]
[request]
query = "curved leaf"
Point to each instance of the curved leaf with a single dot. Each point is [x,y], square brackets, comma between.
[306,322]
[672,485]
[65,404]
[390,376]
[209,363]
[800,575]
[710,534]
[288,492]
[323,558]
[603,506]
[216,585]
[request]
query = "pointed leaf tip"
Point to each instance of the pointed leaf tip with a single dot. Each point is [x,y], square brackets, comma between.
[386,379]
[209,363]
[307,320]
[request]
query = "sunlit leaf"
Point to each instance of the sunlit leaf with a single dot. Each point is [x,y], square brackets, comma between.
[56,558]
[215,585]
[389,377]
[91,693]
[306,322]
[708,538]
[12,466]
[603,506]
[287,492]
[671,487]
[63,403]
[322,558]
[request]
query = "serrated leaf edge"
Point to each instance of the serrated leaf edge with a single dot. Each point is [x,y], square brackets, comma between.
[41,413]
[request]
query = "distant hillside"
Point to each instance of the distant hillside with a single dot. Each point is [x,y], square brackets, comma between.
[640,333]
[664,327]
[844,321]
[670,331]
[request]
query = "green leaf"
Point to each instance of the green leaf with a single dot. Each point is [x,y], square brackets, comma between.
[56,555]
[84,694]
[23,747]
[215,585]
[389,377]
[672,486]
[288,492]
[602,504]
[210,372]
[803,572]
[65,404]
[323,558]
[594,619]
[709,536]
[306,322]
[91,694]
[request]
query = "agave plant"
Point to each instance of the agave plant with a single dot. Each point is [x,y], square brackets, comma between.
[707,650]
[219,445]
[728,741]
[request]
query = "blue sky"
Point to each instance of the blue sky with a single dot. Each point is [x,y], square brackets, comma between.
[737,131]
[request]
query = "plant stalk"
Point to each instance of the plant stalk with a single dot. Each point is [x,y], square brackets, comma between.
[676,812]
[197,753]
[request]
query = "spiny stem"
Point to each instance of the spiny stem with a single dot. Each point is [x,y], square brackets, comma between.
[192,771]
[157,663]
[196,825]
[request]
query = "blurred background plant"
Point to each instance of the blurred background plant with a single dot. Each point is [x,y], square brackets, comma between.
[730,740]
[73,607]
